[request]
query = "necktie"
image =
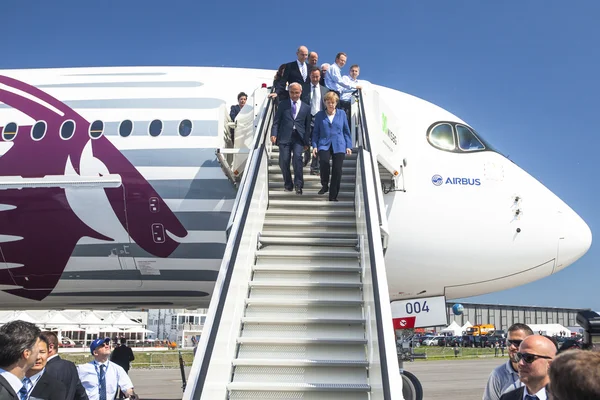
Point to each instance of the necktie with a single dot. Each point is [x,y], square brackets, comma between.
[314,107]
[102,382]
[294,109]
[303,69]
[528,397]
[24,392]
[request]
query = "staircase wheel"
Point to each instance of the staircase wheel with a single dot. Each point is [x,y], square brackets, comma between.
[411,387]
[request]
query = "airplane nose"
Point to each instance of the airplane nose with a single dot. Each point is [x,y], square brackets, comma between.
[574,240]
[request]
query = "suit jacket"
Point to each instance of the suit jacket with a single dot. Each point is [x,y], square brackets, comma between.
[306,93]
[283,125]
[49,388]
[122,355]
[290,75]
[6,391]
[516,394]
[66,372]
[235,110]
[334,134]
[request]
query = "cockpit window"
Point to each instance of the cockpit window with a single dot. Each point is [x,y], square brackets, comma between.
[39,130]
[10,131]
[125,128]
[185,128]
[467,140]
[96,129]
[67,129]
[155,127]
[441,136]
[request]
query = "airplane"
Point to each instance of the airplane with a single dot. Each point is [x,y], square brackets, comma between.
[112,196]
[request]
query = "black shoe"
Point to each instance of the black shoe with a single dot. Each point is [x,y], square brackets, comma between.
[333,199]
[288,189]
[323,190]
[313,172]
[298,190]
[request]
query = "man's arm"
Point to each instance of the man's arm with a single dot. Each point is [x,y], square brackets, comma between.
[80,393]
[275,127]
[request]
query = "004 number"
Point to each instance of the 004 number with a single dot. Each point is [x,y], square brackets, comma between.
[417,307]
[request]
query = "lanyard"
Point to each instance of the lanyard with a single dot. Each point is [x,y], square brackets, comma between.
[33,383]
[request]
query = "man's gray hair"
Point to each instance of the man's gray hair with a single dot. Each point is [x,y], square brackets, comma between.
[325,65]
[295,84]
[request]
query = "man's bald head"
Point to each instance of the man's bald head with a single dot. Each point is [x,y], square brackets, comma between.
[536,353]
[302,53]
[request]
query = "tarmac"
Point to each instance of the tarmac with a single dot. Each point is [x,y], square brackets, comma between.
[462,379]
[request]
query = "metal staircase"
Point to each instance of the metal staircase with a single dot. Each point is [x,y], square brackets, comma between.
[303,329]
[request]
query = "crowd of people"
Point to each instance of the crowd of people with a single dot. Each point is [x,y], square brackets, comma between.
[313,111]
[535,370]
[30,368]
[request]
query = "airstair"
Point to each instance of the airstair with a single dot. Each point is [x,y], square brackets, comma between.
[301,306]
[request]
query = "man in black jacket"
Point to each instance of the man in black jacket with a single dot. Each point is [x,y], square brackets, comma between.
[40,385]
[123,355]
[63,370]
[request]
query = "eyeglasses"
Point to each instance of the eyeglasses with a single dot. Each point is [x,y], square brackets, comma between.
[530,358]
[515,343]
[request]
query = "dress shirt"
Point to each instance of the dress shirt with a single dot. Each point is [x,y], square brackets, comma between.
[315,99]
[541,395]
[303,72]
[35,378]
[347,93]
[13,380]
[334,80]
[115,376]
[51,357]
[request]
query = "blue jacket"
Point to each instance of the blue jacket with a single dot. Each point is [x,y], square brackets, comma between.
[283,124]
[336,133]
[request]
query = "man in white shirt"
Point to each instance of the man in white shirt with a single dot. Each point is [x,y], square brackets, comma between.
[100,378]
[19,350]
[313,94]
[333,78]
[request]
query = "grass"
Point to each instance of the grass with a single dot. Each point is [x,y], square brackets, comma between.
[154,359]
[437,352]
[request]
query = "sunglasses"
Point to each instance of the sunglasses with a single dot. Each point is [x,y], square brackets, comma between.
[515,343]
[529,358]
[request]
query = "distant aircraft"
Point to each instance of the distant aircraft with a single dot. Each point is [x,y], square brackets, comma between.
[111,194]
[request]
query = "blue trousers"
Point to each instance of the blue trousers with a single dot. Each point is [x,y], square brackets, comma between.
[291,151]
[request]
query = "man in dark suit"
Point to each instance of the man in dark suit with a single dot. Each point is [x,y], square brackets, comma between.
[313,94]
[295,71]
[63,370]
[19,351]
[123,355]
[535,355]
[39,384]
[291,132]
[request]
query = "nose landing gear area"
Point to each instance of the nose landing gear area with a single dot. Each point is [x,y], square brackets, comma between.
[411,387]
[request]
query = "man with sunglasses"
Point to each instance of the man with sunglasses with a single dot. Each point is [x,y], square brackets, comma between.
[506,376]
[535,355]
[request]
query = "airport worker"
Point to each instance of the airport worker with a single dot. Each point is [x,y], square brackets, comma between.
[331,139]
[40,385]
[313,94]
[324,69]
[63,370]
[291,132]
[235,110]
[575,375]
[333,78]
[19,348]
[506,376]
[295,71]
[100,377]
[535,356]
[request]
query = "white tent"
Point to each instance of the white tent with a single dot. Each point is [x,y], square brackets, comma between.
[453,328]
[550,329]
[466,326]
[18,315]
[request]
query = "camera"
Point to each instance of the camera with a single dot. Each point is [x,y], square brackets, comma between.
[590,322]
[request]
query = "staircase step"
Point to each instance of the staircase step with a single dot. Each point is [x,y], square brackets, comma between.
[300,363]
[324,292]
[291,320]
[279,192]
[288,395]
[306,251]
[271,240]
[282,340]
[304,232]
[312,185]
[303,331]
[304,302]
[288,211]
[310,202]
[277,375]
[282,267]
[306,277]
[294,284]
[350,170]
[311,178]
[306,222]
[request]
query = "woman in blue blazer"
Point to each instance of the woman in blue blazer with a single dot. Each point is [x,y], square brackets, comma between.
[331,139]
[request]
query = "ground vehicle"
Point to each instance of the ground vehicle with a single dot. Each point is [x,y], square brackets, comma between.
[479,330]
[433,341]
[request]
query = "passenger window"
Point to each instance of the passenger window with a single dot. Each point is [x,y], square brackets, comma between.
[96,129]
[10,131]
[125,128]
[185,128]
[467,140]
[155,128]
[442,137]
[39,130]
[67,129]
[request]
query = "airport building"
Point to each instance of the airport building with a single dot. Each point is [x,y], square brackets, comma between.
[503,316]
[177,325]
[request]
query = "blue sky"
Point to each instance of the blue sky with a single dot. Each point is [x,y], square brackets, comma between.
[523,73]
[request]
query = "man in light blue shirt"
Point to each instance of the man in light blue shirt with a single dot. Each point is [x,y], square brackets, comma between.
[351,81]
[333,78]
